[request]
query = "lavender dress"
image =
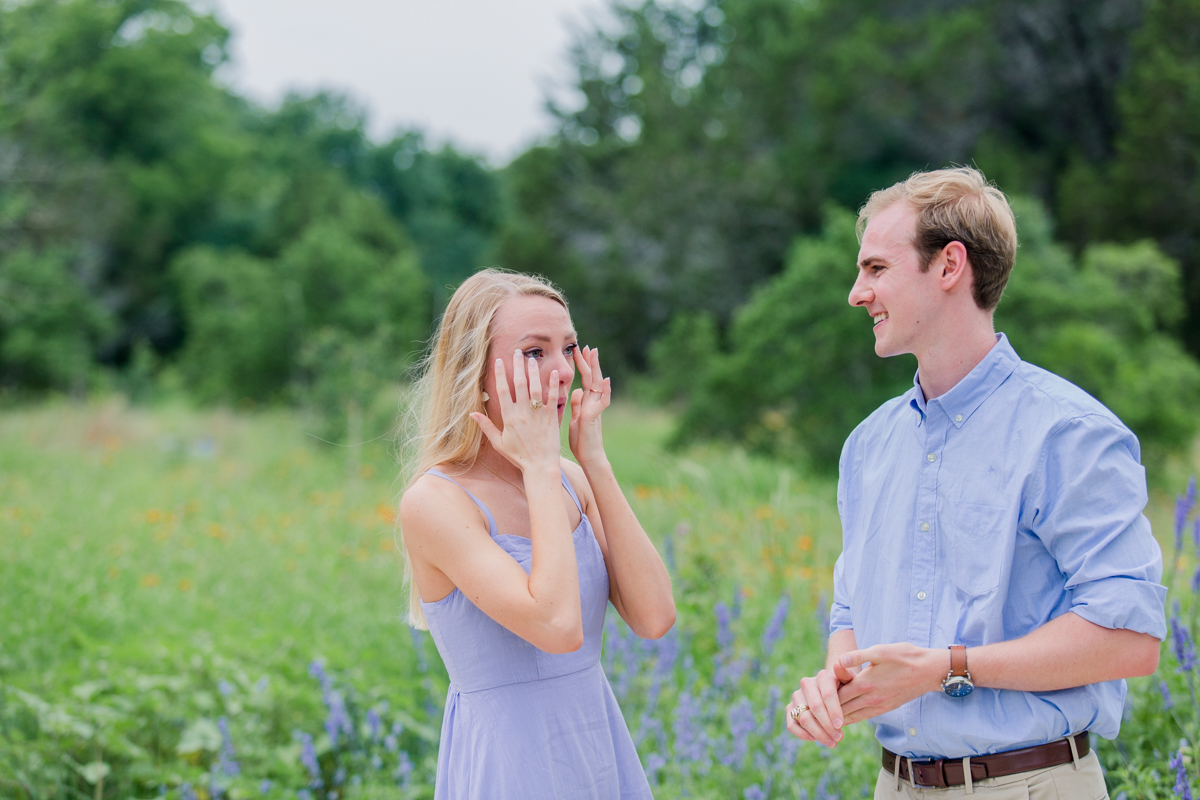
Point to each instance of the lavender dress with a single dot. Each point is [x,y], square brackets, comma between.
[523,723]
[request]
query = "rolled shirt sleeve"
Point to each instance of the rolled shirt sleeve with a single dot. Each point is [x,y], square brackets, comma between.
[1085,505]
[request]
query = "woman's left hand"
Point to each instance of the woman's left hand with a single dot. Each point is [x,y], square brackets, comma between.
[586,406]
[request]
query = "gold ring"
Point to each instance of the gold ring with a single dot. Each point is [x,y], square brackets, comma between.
[597,391]
[535,404]
[797,712]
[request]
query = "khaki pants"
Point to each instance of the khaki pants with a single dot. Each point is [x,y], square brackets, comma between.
[1063,782]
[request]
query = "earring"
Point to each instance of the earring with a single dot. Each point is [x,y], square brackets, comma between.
[485,397]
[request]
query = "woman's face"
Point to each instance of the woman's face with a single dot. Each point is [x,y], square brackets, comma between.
[541,329]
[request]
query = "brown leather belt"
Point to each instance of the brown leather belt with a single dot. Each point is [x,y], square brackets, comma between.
[943,772]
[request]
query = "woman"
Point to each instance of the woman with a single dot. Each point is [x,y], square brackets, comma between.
[513,552]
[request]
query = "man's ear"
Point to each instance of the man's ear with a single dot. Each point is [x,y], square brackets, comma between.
[956,267]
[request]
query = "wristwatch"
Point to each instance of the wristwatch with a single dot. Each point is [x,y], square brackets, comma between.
[958,680]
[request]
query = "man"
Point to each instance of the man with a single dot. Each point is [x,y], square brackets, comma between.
[998,579]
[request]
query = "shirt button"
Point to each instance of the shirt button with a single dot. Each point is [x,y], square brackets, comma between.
[924,526]
[931,458]
[912,731]
[920,595]
[958,418]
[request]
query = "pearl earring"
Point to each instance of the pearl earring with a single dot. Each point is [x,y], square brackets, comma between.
[485,397]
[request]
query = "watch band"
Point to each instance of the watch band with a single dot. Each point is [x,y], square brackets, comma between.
[958,659]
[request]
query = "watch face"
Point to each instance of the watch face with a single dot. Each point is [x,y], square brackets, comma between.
[958,686]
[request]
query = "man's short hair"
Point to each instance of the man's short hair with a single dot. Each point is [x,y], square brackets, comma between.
[957,205]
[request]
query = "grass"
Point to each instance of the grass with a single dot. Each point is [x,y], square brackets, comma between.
[169,578]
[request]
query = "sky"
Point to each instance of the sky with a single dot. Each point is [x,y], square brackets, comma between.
[475,73]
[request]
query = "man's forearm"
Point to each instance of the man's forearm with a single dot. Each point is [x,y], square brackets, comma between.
[1064,653]
[840,643]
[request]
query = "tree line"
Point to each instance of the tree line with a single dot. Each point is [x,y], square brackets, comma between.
[692,202]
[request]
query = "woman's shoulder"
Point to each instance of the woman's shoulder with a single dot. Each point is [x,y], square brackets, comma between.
[431,497]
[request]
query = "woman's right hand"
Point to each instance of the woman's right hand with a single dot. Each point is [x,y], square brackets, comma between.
[531,438]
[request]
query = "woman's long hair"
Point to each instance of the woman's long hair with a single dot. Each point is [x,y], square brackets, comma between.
[438,429]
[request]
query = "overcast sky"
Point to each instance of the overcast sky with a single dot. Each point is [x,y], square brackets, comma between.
[474,72]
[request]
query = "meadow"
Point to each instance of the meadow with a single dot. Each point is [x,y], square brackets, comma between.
[203,604]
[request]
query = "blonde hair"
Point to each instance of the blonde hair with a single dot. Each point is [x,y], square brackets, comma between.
[957,205]
[438,429]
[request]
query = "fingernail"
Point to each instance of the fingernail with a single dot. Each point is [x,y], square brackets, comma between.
[837,723]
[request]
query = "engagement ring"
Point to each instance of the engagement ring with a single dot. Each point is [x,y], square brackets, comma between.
[797,711]
[535,404]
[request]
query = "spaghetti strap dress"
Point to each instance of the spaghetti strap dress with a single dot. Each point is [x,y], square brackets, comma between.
[521,723]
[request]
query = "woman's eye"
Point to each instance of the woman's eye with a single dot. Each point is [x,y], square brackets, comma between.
[571,348]
[535,352]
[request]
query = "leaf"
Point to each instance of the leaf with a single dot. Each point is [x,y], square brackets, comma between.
[200,735]
[94,772]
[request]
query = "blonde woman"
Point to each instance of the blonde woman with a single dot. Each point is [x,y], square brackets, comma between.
[513,552]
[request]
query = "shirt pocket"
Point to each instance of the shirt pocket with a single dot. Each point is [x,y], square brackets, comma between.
[977,545]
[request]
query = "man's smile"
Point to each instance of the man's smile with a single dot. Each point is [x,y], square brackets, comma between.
[879,318]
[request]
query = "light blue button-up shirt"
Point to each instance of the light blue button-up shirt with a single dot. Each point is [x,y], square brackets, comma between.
[979,516]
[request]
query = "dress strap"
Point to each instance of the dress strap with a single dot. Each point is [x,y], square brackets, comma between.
[566,482]
[486,511]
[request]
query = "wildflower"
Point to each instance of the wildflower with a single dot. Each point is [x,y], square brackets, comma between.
[669,551]
[1181,644]
[339,777]
[1184,505]
[263,684]
[224,687]
[654,762]
[265,786]
[187,793]
[373,723]
[1196,580]
[376,761]
[754,792]
[403,773]
[227,763]
[771,718]
[823,792]
[724,634]
[1182,790]
[418,642]
[741,724]
[688,729]
[390,743]
[1165,691]
[304,794]
[308,758]
[774,631]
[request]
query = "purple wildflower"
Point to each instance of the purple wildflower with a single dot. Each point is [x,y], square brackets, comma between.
[688,728]
[1182,790]
[741,724]
[669,551]
[373,723]
[823,792]
[654,762]
[771,717]
[224,687]
[1165,691]
[1184,505]
[403,773]
[339,777]
[754,792]
[737,602]
[303,794]
[724,633]
[265,786]
[262,685]
[376,761]
[1182,645]
[187,793]
[227,763]
[390,743]
[1196,580]
[308,758]
[774,631]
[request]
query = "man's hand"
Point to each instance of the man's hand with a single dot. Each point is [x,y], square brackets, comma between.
[889,675]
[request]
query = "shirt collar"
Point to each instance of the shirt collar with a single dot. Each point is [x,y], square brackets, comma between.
[969,393]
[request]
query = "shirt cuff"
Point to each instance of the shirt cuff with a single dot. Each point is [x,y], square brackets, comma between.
[1123,603]
[839,619]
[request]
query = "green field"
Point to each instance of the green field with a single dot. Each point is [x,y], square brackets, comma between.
[168,576]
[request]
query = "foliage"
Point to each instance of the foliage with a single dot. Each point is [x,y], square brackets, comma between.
[707,136]
[49,326]
[229,624]
[800,372]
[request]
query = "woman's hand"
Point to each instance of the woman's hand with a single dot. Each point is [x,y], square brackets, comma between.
[530,438]
[586,406]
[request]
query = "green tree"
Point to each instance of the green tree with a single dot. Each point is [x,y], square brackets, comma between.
[801,371]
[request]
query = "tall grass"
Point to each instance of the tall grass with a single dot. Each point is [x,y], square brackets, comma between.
[206,604]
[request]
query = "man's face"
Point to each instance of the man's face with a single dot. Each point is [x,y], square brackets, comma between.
[901,300]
